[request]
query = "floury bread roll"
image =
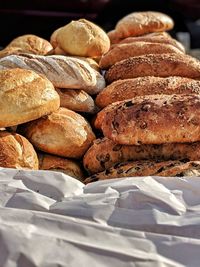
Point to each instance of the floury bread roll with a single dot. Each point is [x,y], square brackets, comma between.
[62,71]
[154,119]
[159,65]
[63,133]
[17,152]
[82,38]
[76,100]
[127,50]
[104,153]
[60,164]
[170,168]
[140,23]
[25,96]
[149,85]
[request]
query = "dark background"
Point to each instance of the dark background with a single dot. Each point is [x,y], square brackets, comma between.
[42,17]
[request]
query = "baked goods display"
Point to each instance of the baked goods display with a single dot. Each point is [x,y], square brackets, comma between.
[103,105]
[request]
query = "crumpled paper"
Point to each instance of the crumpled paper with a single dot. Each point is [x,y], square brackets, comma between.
[50,219]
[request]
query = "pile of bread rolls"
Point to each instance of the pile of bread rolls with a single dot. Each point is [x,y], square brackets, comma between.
[150,117]
[43,94]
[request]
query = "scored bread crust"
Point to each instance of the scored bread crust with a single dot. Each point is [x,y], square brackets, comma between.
[104,153]
[149,85]
[25,96]
[17,152]
[154,119]
[159,65]
[176,168]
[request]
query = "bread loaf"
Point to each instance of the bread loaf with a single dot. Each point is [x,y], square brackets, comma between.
[17,152]
[62,71]
[154,119]
[104,153]
[127,50]
[149,85]
[139,23]
[148,168]
[59,164]
[76,100]
[25,96]
[160,65]
[63,133]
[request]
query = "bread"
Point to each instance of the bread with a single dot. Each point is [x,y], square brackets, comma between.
[154,119]
[59,164]
[126,50]
[10,51]
[53,38]
[62,133]
[139,23]
[17,152]
[148,168]
[160,65]
[149,85]
[62,71]
[25,96]
[83,38]
[104,153]
[114,37]
[30,43]
[76,100]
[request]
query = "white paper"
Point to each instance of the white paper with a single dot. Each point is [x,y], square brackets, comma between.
[51,219]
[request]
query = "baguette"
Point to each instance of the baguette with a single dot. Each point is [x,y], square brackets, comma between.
[62,71]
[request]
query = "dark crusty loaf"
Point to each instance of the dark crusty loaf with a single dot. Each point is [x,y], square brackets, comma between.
[62,71]
[160,65]
[149,85]
[126,50]
[104,153]
[148,168]
[154,119]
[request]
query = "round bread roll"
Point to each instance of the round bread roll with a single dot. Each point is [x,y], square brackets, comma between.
[139,23]
[25,96]
[30,43]
[63,133]
[17,152]
[53,38]
[59,164]
[83,38]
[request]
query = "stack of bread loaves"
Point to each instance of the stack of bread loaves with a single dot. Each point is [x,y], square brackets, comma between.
[42,94]
[151,107]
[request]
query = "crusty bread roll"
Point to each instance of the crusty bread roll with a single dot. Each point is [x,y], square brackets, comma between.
[82,38]
[127,50]
[154,119]
[76,100]
[17,152]
[149,85]
[139,23]
[114,37]
[160,65]
[59,164]
[25,96]
[62,71]
[63,133]
[104,153]
[53,38]
[148,168]
[30,43]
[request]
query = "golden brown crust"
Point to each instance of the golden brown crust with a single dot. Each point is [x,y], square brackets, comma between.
[148,168]
[59,164]
[123,51]
[25,96]
[76,100]
[154,119]
[63,133]
[17,152]
[82,38]
[104,153]
[159,65]
[149,85]
[139,23]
